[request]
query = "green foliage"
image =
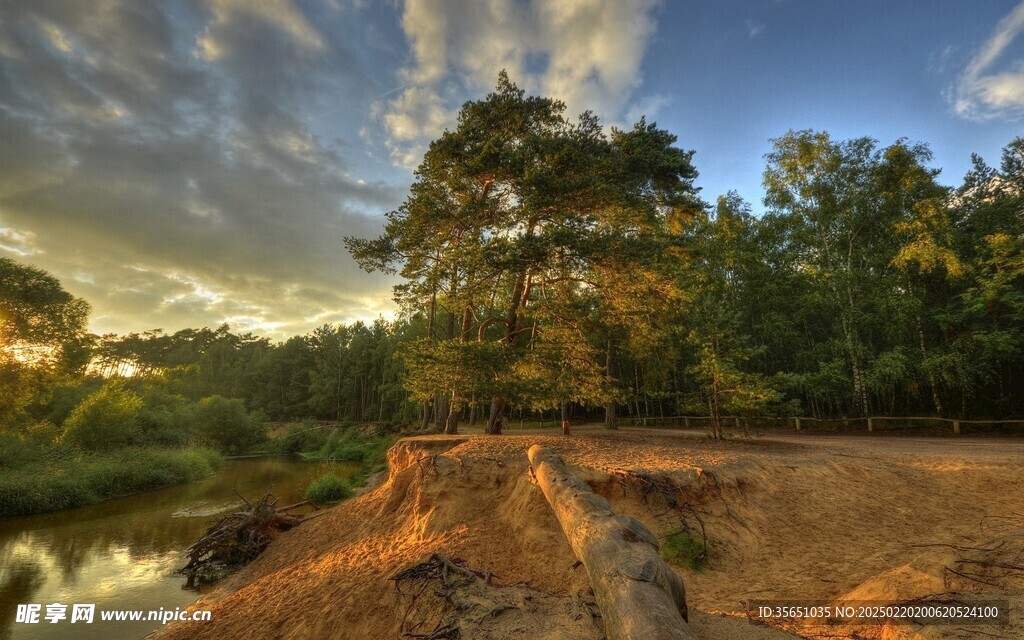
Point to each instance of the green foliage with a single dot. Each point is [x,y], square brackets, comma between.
[61,483]
[721,351]
[327,489]
[36,310]
[225,424]
[457,370]
[682,549]
[42,336]
[166,419]
[527,228]
[548,263]
[107,419]
[64,398]
[333,443]
[44,434]
[16,451]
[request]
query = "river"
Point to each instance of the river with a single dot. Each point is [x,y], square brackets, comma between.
[125,553]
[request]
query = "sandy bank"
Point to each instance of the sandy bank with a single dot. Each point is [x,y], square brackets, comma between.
[811,519]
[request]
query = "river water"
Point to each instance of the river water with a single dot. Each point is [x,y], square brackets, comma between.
[124,553]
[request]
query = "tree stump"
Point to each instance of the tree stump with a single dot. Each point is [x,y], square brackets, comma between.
[640,597]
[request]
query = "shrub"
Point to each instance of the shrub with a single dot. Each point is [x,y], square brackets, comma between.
[304,437]
[352,444]
[329,488]
[15,452]
[107,419]
[166,419]
[225,424]
[65,398]
[43,434]
[683,550]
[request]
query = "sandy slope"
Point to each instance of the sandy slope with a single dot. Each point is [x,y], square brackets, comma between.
[802,518]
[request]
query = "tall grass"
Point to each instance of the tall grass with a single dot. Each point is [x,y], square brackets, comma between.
[58,482]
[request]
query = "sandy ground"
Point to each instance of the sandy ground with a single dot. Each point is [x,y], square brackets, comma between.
[787,517]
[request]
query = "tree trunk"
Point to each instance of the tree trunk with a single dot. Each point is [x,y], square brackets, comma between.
[519,293]
[610,416]
[931,376]
[431,314]
[451,426]
[716,411]
[640,596]
[441,413]
[609,409]
[565,418]
[497,412]
[426,416]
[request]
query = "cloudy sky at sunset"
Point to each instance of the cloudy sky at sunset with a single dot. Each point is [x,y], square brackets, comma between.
[193,162]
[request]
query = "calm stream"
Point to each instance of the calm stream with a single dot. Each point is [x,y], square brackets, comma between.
[124,553]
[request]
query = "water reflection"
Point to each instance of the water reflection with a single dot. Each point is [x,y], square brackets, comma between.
[124,553]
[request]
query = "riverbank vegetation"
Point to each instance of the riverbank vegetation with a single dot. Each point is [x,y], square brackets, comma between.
[328,489]
[63,478]
[332,442]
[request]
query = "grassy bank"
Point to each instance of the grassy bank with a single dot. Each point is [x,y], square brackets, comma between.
[80,479]
[336,443]
[341,443]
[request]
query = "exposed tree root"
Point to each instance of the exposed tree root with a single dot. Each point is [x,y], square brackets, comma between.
[673,496]
[444,576]
[995,563]
[237,538]
[442,568]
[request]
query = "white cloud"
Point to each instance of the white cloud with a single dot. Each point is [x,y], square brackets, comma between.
[57,38]
[981,93]
[279,13]
[587,53]
[754,29]
[418,110]
[20,243]
[647,106]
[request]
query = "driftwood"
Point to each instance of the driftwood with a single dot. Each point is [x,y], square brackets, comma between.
[235,539]
[639,596]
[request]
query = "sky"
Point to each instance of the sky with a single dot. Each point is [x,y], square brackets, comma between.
[186,163]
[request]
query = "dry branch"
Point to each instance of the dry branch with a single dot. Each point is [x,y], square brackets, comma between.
[236,539]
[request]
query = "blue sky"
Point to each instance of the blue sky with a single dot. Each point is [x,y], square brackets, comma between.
[193,162]
[880,69]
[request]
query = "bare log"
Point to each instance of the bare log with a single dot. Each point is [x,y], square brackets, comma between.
[640,597]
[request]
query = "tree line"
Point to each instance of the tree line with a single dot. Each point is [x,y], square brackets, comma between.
[549,264]
[559,264]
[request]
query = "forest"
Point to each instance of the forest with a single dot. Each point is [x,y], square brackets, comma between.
[552,266]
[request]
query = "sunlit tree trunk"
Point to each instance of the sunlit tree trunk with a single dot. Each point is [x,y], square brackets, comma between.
[499,401]
[454,414]
[610,418]
[931,376]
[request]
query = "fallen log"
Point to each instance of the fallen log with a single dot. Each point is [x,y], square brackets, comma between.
[639,596]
